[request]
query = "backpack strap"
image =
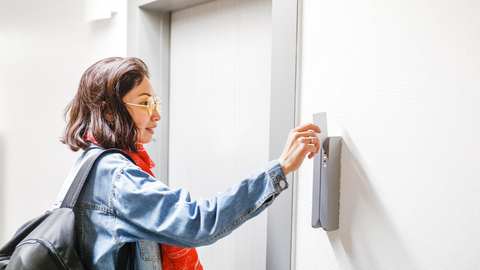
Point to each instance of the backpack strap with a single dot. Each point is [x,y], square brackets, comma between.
[77,184]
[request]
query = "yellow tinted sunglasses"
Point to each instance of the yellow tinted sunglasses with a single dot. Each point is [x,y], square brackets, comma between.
[151,105]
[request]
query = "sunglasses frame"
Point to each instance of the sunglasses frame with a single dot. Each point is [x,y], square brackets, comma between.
[157,103]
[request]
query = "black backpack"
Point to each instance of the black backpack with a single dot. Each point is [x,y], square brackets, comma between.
[50,240]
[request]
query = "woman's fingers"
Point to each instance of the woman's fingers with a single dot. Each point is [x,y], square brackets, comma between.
[315,141]
[310,137]
[302,141]
[308,150]
[308,126]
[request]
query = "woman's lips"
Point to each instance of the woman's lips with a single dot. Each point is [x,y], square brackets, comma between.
[150,130]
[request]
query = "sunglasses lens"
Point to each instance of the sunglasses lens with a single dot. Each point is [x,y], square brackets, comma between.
[158,101]
[150,105]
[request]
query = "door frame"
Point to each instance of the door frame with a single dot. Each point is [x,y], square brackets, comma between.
[148,37]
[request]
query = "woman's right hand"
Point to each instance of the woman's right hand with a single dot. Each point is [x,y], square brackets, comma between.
[301,141]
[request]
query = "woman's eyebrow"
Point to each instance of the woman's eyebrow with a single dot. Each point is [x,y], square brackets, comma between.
[145,94]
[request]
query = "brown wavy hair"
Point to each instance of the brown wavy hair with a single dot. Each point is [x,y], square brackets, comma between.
[98,106]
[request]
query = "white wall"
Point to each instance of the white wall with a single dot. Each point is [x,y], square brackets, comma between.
[400,81]
[45,47]
[219,115]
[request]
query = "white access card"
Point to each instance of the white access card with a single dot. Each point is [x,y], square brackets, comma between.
[320,119]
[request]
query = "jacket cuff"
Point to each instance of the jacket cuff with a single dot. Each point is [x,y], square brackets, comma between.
[276,175]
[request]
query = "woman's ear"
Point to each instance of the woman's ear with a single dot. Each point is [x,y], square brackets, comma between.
[106,112]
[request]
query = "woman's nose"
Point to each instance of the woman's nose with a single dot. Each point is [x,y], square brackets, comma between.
[156,116]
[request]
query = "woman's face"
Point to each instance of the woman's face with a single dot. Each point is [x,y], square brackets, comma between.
[145,123]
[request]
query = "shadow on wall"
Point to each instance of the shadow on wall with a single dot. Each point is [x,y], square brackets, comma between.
[2,189]
[100,26]
[367,238]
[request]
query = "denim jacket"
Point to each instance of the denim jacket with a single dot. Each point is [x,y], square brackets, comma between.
[120,203]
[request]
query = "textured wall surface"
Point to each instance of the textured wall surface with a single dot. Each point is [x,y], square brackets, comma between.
[219,116]
[400,81]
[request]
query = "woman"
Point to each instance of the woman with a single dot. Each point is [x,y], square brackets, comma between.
[121,202]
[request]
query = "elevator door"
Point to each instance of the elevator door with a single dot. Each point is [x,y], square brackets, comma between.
[220,62]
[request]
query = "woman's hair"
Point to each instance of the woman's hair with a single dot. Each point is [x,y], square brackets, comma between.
[98,106]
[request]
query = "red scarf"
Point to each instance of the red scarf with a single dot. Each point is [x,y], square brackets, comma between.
[173,258]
